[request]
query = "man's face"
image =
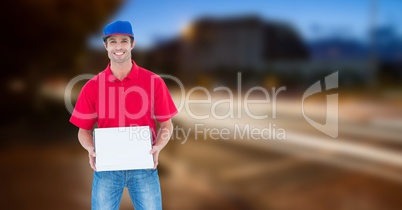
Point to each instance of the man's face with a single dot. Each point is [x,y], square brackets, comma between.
[119,48]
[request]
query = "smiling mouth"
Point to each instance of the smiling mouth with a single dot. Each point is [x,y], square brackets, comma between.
[119,53]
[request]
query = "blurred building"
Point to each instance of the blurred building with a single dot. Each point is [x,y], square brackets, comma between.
[211,50]
[357,59]
[216,47]
[388,48]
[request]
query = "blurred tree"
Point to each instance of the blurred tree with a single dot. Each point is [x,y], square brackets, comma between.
[44,39]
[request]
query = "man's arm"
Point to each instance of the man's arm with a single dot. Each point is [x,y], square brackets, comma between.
[164,134]
[86,141]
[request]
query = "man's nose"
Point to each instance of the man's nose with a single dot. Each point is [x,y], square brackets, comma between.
[119,45]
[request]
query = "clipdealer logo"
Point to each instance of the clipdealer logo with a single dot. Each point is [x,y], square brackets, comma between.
[330,82]
[330,127]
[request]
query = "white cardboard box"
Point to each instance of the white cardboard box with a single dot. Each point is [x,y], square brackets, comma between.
[123,148]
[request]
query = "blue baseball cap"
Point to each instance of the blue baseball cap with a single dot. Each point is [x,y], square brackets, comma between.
[118,27]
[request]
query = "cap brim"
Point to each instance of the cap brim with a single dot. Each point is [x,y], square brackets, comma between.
[118,34]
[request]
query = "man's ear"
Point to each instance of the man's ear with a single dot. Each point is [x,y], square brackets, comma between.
[105,45]
[133,45]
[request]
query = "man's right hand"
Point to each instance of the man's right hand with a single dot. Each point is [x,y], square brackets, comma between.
[87,142]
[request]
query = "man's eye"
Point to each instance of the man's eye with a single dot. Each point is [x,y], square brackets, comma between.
[124,41]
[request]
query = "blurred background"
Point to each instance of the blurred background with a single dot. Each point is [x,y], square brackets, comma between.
[270,44]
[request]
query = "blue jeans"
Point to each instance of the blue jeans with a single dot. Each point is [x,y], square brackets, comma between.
[143,187]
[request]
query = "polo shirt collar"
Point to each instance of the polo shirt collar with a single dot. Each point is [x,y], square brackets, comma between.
[132,75]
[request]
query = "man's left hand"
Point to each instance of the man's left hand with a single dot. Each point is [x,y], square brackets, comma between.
[155,151]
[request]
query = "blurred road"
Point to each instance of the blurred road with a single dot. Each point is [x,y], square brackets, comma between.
[361,169]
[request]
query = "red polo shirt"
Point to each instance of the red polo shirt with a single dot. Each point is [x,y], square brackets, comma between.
[138,100]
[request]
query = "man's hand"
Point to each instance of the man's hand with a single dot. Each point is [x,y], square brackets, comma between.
[164,134]
[155,151]
[86,140]
[92,155]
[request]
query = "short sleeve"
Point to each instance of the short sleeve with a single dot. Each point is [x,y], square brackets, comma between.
[164,107]
[84,115]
